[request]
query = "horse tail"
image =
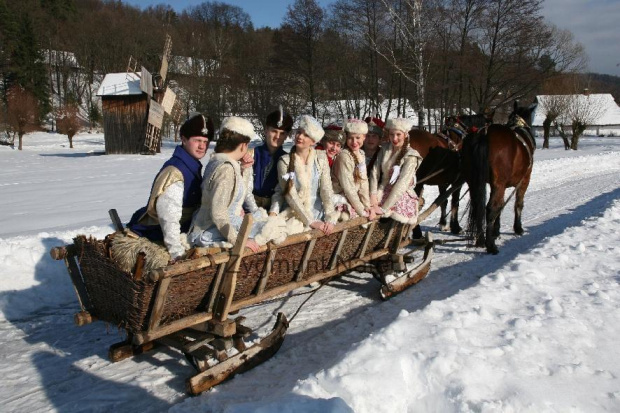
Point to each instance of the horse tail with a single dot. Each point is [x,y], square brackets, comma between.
[476,150]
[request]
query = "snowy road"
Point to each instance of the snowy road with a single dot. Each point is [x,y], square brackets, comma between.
[46,363]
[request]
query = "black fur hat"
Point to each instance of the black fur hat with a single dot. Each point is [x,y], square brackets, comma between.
[279,119]
[198,125]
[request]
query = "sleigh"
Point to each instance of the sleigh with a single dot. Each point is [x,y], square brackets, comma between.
[189,305]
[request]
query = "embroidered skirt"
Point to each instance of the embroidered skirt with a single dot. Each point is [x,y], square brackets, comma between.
[405,210]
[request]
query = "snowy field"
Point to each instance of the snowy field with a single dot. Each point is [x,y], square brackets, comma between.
[529,330]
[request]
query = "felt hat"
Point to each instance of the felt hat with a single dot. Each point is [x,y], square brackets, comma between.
[375,125]
[238,125]
[402,124]
[334,133]
[197,125]
[279,119]
[311,127]
[356,126]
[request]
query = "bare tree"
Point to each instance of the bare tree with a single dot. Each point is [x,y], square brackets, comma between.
[552,106]
[22,112]
[68,122]
[583,110]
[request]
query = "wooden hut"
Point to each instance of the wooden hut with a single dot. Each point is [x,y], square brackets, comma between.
[125,112]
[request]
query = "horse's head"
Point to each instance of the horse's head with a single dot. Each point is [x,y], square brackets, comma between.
[523,112]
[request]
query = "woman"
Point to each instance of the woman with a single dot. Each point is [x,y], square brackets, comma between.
[224,194]
[393,176]
[305,179]
[373,140]
[349,178]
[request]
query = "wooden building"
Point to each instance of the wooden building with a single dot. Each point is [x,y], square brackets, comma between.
[125,110]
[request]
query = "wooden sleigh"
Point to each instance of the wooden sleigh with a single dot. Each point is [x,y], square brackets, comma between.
[188,305]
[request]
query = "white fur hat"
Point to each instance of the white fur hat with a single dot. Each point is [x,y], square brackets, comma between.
[356,126]
[239,125]
[311,127]
[399,123]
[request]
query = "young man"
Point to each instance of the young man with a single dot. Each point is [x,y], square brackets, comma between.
[175,193]
[277,127]
[332,142]
[373,139]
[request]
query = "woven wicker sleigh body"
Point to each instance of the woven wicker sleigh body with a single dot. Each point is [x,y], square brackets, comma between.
[187,305]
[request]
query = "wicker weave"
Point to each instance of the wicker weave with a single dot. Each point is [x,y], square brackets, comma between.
[322,254]
[352,245]
[286,264]
[249,274]
[115,297]
[188,294]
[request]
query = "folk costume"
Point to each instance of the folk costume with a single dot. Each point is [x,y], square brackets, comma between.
[175,194]
[265,178]
[224,196]
[333,133]
[349,178]
[310,197]
[393,179]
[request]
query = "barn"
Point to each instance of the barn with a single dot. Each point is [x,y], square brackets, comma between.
[125,109]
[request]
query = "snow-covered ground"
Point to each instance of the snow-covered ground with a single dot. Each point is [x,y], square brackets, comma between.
[531,329]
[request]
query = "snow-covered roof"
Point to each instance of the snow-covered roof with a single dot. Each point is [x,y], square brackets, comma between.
[610,111]
[118,84]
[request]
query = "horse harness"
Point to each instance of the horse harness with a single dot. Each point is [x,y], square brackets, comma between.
[522,131]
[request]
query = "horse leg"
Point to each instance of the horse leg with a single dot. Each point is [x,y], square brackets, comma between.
[493,211]
[519,197]
[455,227]
[443,223]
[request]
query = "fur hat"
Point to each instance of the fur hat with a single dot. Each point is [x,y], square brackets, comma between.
[375,125]
[279,119]
[356,126]
[334,133]
[311,127]
[402,124]
[197,125]
[239,125]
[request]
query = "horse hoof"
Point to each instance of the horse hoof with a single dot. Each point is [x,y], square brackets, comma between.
[493,250]
[456,230]
[519,231]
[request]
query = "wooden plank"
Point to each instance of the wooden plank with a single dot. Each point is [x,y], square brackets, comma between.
[341,241]
[184,267]
[185,322]
[271,256]
[227,288]
[216,287]
[304,259]
[389,234]
[349,265]
[76,278]
[158,307]
[366,240]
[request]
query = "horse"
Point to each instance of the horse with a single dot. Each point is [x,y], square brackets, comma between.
[503,157]
[441,160]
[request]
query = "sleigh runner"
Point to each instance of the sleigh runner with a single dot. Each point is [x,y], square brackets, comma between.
[187,305]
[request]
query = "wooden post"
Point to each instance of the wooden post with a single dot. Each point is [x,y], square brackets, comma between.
[367,239]
[229,282]
[304,260]
[262,283]
[334,259]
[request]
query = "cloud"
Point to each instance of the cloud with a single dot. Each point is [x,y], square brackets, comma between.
[594,23]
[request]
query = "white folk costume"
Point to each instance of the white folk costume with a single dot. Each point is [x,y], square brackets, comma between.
[224,196]
[310,198]
[351,196]
[393,184]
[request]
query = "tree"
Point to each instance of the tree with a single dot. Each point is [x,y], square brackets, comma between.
[68,122]
[22,112]
[303,26]
[583,110]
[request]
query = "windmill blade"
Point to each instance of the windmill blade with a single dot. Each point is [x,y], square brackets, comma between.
[165,58]
[146,82]
[168,100]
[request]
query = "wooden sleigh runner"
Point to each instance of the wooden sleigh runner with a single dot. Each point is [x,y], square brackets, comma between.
[188,305]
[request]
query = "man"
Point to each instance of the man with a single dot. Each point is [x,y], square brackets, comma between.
[175,193]
[332,142]
[277,127]
[373,140]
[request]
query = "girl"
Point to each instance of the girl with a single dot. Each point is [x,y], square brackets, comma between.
[224,193]
[349,178]
[305,180]
[393,176]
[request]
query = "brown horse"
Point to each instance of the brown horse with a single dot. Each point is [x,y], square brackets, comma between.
[502,156]
[441,163]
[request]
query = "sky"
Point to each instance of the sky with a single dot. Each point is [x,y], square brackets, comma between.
[594,23]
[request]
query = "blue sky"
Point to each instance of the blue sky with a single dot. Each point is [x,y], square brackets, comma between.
[594,23]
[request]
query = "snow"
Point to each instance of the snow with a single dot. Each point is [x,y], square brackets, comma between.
[532,329]
[603,102]
[117,84]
